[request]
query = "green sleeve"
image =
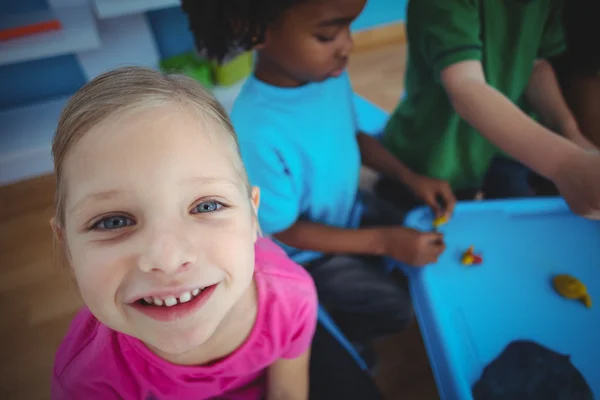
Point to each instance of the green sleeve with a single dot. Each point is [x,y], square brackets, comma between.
[445,32]
[553,39]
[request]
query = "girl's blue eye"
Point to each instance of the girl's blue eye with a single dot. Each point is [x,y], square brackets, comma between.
[207,207]
[113,222]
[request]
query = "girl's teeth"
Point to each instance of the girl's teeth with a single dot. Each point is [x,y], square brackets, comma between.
[170,301]
[185,297]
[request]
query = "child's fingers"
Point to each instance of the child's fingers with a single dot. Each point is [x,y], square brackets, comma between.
[432,202]
[449,199]
[432,246]
[436,247]
[434,253]
[434,239]
[433,259]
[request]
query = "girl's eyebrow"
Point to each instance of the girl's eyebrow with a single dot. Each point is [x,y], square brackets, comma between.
[209,180]
[106,195]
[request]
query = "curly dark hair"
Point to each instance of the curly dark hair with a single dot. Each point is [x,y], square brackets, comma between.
[222,26]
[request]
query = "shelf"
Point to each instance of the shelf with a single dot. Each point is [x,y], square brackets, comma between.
[125,41]
[128,41]
[26,138]
[117,8]
[78,33]
[34,125]
[26,135]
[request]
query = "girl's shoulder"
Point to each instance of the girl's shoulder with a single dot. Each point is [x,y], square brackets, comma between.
[273,263]
[84,357]
[284,286]
[83,331]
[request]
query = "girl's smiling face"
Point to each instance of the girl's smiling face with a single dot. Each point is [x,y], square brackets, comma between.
[156,209]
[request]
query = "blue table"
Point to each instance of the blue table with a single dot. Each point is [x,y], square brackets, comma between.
[469,314]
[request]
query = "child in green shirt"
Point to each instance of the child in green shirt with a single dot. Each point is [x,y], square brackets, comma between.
[470,63]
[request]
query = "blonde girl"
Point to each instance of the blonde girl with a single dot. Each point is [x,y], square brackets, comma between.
[157,221]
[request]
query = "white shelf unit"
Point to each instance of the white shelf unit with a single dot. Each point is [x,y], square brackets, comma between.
[124,39]
[78,33]
[117,8]
[128,40]
[26,135]
[26,139]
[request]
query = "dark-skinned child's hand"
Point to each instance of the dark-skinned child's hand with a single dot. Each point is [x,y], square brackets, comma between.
[412,247]
[433,192]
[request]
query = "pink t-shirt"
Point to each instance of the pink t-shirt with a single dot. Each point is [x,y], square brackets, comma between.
[95,362]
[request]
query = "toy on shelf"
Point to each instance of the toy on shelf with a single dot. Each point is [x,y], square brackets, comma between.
[190,65]
[572,288]
[470,258]
[14,26]
[232,70]
[209,73]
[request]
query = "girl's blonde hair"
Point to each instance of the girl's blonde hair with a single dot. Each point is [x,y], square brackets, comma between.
[129,89]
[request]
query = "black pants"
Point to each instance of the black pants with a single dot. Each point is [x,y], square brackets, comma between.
[334,374]
[364,300]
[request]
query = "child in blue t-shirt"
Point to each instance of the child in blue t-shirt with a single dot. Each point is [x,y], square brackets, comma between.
[298,133]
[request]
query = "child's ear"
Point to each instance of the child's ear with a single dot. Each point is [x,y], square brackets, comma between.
[57,230]
[255,199]
[60,241]
[266,37]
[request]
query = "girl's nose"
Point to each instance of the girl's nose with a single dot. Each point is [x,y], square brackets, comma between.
[166,252]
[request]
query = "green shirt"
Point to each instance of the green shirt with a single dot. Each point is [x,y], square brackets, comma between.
[507,36]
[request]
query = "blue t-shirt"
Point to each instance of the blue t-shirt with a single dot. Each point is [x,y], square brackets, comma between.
[299,147]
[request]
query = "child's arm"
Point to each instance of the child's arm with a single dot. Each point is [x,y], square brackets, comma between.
[403,244]
[502,122]
[544,94]
[287,379]
[377,157]
[280,216]
[575,171]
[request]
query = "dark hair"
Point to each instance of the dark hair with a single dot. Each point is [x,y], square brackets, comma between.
[222,26]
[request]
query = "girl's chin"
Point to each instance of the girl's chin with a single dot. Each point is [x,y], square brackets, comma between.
[176,349]
[175,338]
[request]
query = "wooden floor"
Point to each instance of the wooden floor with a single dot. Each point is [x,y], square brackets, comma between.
[37,300]
[404,372]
